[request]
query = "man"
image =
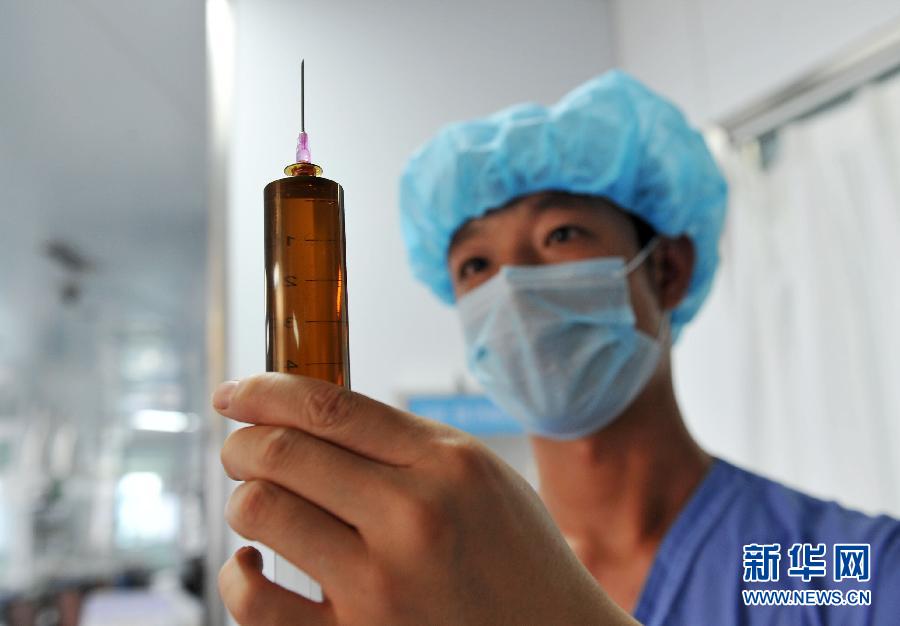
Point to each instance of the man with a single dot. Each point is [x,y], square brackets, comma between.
[576,241]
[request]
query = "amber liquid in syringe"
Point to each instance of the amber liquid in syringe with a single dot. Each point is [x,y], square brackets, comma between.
[306,287]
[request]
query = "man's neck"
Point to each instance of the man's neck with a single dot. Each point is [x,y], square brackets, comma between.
[615,493]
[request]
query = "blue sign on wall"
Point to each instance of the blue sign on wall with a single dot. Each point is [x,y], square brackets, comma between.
[472,413]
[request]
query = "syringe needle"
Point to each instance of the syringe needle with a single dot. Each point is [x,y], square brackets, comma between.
[302,116]
[303,155]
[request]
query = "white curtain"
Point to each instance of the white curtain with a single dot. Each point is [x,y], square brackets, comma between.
[793,368]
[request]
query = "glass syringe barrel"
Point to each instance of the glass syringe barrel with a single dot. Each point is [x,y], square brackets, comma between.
[307,330]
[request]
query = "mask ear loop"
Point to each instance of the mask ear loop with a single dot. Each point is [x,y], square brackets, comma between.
[641,256]
[665,324]
[664,332]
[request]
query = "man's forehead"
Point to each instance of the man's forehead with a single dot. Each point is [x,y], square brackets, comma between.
[542,200]
[548,199]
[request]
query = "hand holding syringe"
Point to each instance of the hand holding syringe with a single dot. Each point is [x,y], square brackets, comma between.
[403,520]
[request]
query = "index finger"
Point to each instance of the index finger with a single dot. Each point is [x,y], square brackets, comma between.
[330,412]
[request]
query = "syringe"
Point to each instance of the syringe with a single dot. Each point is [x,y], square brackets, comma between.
[307,330]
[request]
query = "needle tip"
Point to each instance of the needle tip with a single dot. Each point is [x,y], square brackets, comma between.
[302,89]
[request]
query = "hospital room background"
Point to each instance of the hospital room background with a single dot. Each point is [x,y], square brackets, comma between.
[136,139]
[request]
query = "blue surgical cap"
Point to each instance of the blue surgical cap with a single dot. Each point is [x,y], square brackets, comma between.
[610,137]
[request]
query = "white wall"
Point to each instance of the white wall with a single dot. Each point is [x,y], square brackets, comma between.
[714,56]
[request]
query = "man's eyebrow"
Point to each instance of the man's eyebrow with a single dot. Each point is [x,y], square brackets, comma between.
[547,200]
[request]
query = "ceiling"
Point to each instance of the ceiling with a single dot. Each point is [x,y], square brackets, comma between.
[102,149]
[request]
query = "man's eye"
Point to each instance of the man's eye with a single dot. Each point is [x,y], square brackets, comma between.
[471,266]
[563,234]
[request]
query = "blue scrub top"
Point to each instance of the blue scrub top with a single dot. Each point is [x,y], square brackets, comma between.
[697,577]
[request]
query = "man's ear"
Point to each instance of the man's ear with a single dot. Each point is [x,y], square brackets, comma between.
[673,265]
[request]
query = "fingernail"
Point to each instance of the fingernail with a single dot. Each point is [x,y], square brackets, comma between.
[221,398]
[254,556]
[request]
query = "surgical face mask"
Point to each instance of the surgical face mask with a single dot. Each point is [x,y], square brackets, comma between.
[556,346]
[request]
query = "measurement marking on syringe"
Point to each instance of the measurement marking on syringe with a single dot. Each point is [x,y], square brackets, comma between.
[326,363]
[320,240]
[322,280]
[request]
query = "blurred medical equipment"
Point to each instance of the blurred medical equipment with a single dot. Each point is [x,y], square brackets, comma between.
[163,603]
[611,137]
[307,329]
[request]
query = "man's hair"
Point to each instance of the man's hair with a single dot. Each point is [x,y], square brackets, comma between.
[645,232]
